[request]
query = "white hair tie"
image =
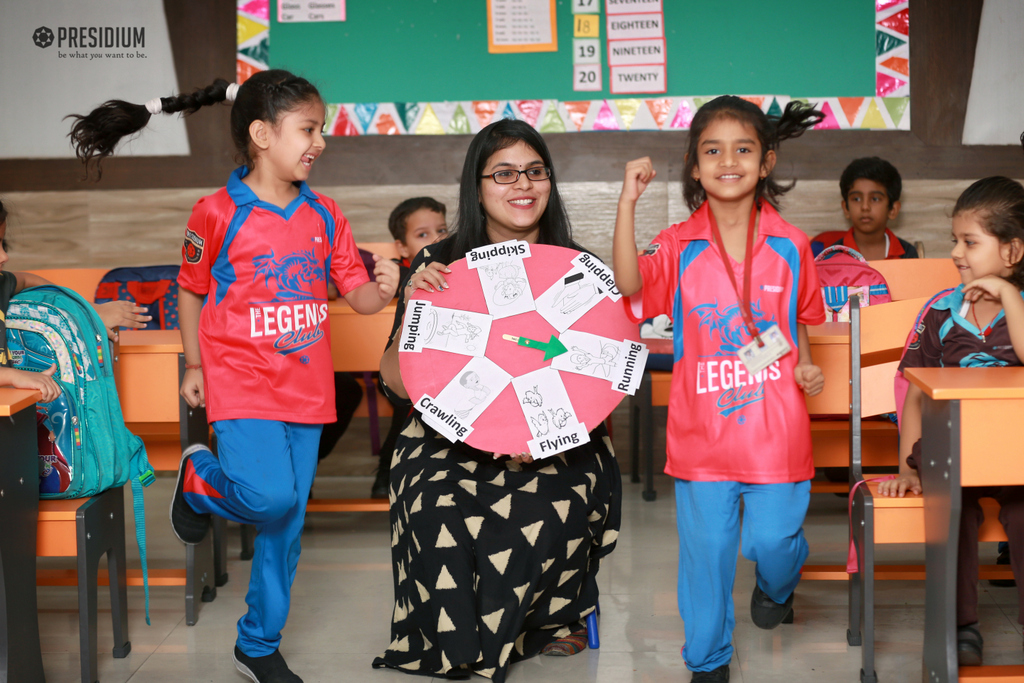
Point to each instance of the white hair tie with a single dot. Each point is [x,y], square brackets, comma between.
[232,92]
[155,106]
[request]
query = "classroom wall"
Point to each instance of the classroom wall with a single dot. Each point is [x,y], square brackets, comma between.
[136,213]
[145,227]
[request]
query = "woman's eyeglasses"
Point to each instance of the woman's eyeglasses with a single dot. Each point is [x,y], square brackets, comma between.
[507,177]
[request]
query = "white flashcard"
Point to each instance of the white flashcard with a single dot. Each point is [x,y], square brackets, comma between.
[544,446]
[586,77]
[631,52]
[506,288]
[636,26]
[548,411]
[631,6]
[586,51]
[631,371]
[589,355]
[596,268]
[469,393]
[413,328]
[462,332]
[570,298]
[625,80]
[442,419]
[501,251]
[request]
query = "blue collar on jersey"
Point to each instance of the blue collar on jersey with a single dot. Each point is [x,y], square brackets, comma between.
[954,302]
[241,195]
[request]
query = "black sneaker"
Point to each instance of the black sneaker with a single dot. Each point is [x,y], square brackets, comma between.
[766,613]
[267,669]
[719,675]
[969,645]
[188,525]
[380,482]
[1003,559]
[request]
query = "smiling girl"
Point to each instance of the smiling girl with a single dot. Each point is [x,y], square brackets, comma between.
[979,324]
[740,284]
[253,314]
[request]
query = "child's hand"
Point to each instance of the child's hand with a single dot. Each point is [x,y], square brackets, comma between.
[898,487]
[639,173]
[430,278]
[809,378]
[991,287]
[192,388]
[115,314]
[386,272]
[42,382]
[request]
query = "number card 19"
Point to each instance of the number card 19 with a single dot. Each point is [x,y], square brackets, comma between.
[586,51]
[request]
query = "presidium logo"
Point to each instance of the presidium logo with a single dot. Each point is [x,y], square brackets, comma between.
[75,39]
[42,37]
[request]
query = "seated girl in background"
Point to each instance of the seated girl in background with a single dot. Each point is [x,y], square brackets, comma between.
[979,324]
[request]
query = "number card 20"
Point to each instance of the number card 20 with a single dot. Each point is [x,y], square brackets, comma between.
[586,77]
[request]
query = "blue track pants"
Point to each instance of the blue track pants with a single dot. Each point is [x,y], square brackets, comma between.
[708,520]
[262,476]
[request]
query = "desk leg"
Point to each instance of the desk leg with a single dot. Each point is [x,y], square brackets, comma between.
[634,433]
[940,481]
[647,429]
[21,660]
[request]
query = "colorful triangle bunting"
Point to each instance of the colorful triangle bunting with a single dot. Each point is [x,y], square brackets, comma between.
[829,122]
[660,109]
[699,102]
[758,101]
[484,111]
[459,124]
[898,64]
[873,117]
[243,70]
[507,112]
[553,122]
[851,105]
[774,109]
[896,107]
[342,124]
[627,111]
[577,112]
[429,123]
[881,5]
[530,109]
[257,8]
[886,85]
[259,51]
[605,118]
[885,42]
[898,22]
[683,117]
[386,125]
[365,112]
[247,29]
[408,111]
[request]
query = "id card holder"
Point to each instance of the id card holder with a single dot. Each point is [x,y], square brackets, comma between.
[756,358]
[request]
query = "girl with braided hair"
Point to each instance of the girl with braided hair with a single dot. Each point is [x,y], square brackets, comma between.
[252,306]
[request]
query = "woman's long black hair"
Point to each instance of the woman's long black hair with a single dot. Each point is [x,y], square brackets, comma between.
[795,119]
[264,97]
[471,222]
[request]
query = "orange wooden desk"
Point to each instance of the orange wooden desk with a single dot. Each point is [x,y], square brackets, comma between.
[970,437]
[20,654]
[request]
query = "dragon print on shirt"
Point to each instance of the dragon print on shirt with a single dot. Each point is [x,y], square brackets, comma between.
[293,314]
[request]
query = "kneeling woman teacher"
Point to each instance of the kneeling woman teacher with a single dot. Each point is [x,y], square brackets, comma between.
[472,593]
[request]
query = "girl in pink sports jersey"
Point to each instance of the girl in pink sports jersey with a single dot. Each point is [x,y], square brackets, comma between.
[740,285]
[252,306]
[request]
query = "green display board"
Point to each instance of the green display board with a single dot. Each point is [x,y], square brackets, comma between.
[436,50]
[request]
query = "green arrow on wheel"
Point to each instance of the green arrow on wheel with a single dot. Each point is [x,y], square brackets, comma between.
[551,348]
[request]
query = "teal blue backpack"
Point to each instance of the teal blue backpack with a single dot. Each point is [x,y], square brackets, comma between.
[89,449]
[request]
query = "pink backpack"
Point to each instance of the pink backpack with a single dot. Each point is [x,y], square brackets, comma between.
[843,272]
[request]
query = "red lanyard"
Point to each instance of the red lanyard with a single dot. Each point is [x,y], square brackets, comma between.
[988,328]
[748,264]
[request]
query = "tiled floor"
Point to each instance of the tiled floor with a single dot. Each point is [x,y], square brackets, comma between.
[342,603]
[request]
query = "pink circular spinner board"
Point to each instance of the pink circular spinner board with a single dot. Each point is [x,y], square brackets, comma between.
[461,365]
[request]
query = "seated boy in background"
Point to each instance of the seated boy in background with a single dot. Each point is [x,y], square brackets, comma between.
[414,224]
[871,189]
